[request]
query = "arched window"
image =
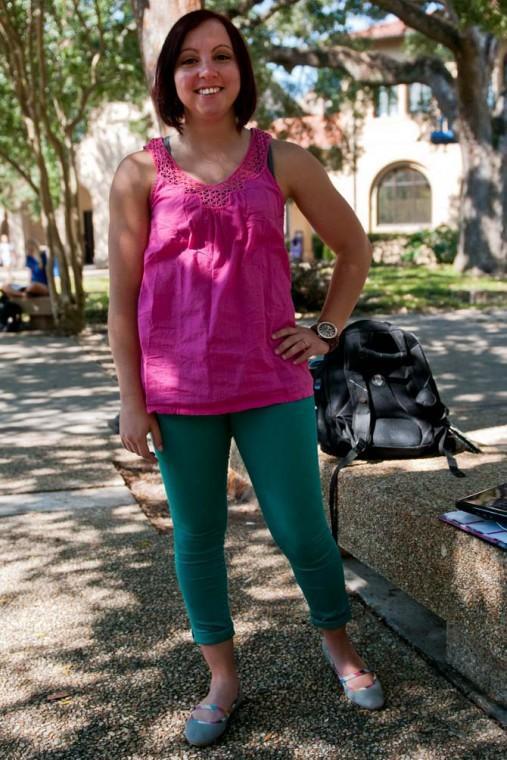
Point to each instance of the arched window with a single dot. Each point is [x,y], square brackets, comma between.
[403,197]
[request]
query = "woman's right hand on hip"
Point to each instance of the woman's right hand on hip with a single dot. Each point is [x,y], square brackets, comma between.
[135,425]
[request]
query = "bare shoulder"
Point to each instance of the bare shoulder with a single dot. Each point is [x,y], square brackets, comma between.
[135,174]
[294,165]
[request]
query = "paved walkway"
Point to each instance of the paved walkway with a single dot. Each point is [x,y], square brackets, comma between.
[95,657]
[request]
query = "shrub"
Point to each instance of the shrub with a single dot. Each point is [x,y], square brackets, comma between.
[317,247]
[443,241]
[445,244]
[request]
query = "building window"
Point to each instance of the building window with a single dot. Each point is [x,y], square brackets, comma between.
[386,101]
[419,98]
[404,197]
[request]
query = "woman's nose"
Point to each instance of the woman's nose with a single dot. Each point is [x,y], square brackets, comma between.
[207,68]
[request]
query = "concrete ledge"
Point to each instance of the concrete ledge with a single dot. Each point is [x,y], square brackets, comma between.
[39,311]
[388,519]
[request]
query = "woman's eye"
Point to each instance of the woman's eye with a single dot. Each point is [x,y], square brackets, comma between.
[220,56]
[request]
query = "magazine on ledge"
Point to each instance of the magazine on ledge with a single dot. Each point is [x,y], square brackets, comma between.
[493,531]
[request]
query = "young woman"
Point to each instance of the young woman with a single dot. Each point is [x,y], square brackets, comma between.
[204,338]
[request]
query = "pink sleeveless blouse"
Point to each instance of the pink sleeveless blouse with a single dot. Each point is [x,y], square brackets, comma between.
[216,284]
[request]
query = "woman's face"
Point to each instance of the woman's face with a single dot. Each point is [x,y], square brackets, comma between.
[207,76]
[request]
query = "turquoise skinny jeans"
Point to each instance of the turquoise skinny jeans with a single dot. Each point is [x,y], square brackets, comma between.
[278,445]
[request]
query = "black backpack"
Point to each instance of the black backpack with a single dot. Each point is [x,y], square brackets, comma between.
[376,399]
[10,315]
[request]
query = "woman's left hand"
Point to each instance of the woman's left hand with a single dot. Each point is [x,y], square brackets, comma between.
[300,341]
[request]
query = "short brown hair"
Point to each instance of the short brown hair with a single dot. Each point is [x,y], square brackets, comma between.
[168,105]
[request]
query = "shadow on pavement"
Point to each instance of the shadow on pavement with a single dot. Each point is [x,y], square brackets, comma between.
[94,613]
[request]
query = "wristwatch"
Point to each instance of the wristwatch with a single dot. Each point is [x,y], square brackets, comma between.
[328,333]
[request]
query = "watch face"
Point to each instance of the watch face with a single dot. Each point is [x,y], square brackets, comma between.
[327,330]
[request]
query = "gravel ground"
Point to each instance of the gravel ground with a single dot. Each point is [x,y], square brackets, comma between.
[96,660]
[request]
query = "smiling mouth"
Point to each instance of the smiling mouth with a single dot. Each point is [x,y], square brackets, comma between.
[209,90]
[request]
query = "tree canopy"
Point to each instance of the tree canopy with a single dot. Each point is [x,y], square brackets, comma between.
[453,47]
[59,61]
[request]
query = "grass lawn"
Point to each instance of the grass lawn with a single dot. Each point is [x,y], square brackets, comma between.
[388,289]
[97,298]
[418,288]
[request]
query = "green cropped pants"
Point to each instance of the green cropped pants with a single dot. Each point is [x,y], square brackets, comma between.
[278,445]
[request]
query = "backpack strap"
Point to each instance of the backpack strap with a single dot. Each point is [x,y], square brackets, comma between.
[466,441]
[333,487]
[361,424]
[444,448]
[451,461]
[361,420]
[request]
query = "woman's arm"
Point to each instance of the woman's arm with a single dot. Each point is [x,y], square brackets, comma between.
[129,221]
[304,179]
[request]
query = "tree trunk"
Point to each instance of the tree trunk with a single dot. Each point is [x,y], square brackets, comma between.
[482,235]
[154,20]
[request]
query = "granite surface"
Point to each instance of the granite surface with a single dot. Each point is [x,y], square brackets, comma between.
[388,519]
[475,660]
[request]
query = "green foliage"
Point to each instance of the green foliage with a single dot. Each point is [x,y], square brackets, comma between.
[490,15]
[443,240]
[89,55]
[317,247]
[327,254]
[416,44]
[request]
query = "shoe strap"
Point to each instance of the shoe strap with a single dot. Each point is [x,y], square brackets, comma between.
[213,708]
[362,672]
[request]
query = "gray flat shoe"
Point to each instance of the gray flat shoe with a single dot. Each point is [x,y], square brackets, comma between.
[370,697]
[200,733]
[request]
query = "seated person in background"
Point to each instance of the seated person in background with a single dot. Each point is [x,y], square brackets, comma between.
[36,262]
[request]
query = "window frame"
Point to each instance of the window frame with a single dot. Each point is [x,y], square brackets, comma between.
[401,226]
[393,98]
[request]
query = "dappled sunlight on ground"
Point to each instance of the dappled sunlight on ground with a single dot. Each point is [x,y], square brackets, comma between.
[100,662]
[54,416]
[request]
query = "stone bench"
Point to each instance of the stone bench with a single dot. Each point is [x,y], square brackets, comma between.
[39,311]
[388,519]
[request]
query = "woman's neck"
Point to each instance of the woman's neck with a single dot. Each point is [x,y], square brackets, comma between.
[210,138]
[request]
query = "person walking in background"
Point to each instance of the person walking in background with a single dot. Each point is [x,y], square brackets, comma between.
[7,256]
[203,334]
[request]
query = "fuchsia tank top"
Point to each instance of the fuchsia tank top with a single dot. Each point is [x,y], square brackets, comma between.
[216,285]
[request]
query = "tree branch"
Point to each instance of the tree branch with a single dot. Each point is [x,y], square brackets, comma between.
[8,160]
[375,68]
[431,26]
[244,7]
[16,63]
[85,95]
